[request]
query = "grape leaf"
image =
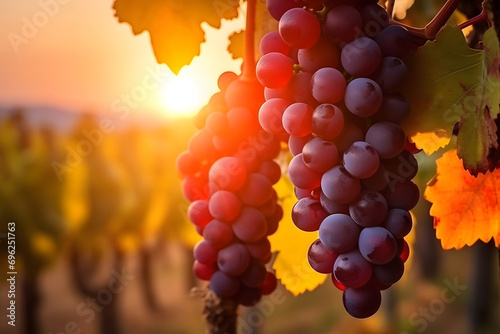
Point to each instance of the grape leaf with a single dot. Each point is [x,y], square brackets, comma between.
[465,208]
[448,83]
[291,264]
[174,26]
[264,24]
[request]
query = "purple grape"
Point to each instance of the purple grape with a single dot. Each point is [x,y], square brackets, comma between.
[351,269]
[377,181]
[391,75]
[321,258]
[321,54]
[361,160]
[332,207]
[340,186]
[398,222]
[388,139]
[218,234]
[403,195]
[320,155]
[223,285]
[233,260]
[362,302]
[205,253]
[328,85]
[377,245]
[369,209]
[394,109]
[339,233]
[394,41]
[296,144]
[307,214]
[299,28]
[361,57]
[301,175]
[254,275]
[327,121]
[343,24]
[389,273]
[250,225]
[363,97]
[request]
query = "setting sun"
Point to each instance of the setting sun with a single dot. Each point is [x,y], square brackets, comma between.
[182,95]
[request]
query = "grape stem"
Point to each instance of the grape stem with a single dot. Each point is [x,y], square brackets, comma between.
[476,19]
[390,7]
[249,60]
[429,32]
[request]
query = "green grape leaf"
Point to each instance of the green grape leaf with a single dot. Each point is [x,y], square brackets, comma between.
[174,26]
[448,83]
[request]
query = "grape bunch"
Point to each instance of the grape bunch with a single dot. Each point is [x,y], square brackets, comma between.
[333,74]
[228,173]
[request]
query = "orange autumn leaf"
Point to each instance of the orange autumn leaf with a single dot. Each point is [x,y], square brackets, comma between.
[465,208]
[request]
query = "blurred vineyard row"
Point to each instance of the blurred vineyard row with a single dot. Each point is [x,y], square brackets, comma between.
[93,193]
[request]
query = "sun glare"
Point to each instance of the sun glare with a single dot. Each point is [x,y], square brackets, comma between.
[182,95]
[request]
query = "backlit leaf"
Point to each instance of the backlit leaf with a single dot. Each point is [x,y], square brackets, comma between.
[291,264]
[448,83]
[465,208]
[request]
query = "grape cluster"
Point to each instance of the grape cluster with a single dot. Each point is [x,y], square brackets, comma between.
[333,74]
[228,172]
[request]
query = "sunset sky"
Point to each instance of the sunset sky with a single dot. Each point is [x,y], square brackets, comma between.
[81,58]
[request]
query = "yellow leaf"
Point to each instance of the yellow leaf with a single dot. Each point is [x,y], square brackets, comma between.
[291,264]
[465,208]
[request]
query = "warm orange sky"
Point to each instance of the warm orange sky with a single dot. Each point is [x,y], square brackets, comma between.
[83,59]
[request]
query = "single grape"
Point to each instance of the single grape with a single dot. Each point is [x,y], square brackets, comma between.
[350,134]
[361,57]
[351,269]
[205,253]
[361,160]
[321,258]
[403,195]
[377,181]
[296,144]
[224,205]
[199,213]
[327,121]
[369,209]
[307,214]
[279,7]
[395,41]
[218,234]
[224,285]
[256,191]
[340,186]
[204,271]
[321,54]
[233,260]
[387,138]
[343,24]
[391,75]
[339,233]
[297,119]
[270,115]
[394,109]
[269,284]
[299,28]
[260,249]
[274,70]
[250,225]
[320,155]
[328,85]
[362,302]
[363,97]
[272,42]
[301,175]
[228,173]
[254,275]
[377,245]
[390,272]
